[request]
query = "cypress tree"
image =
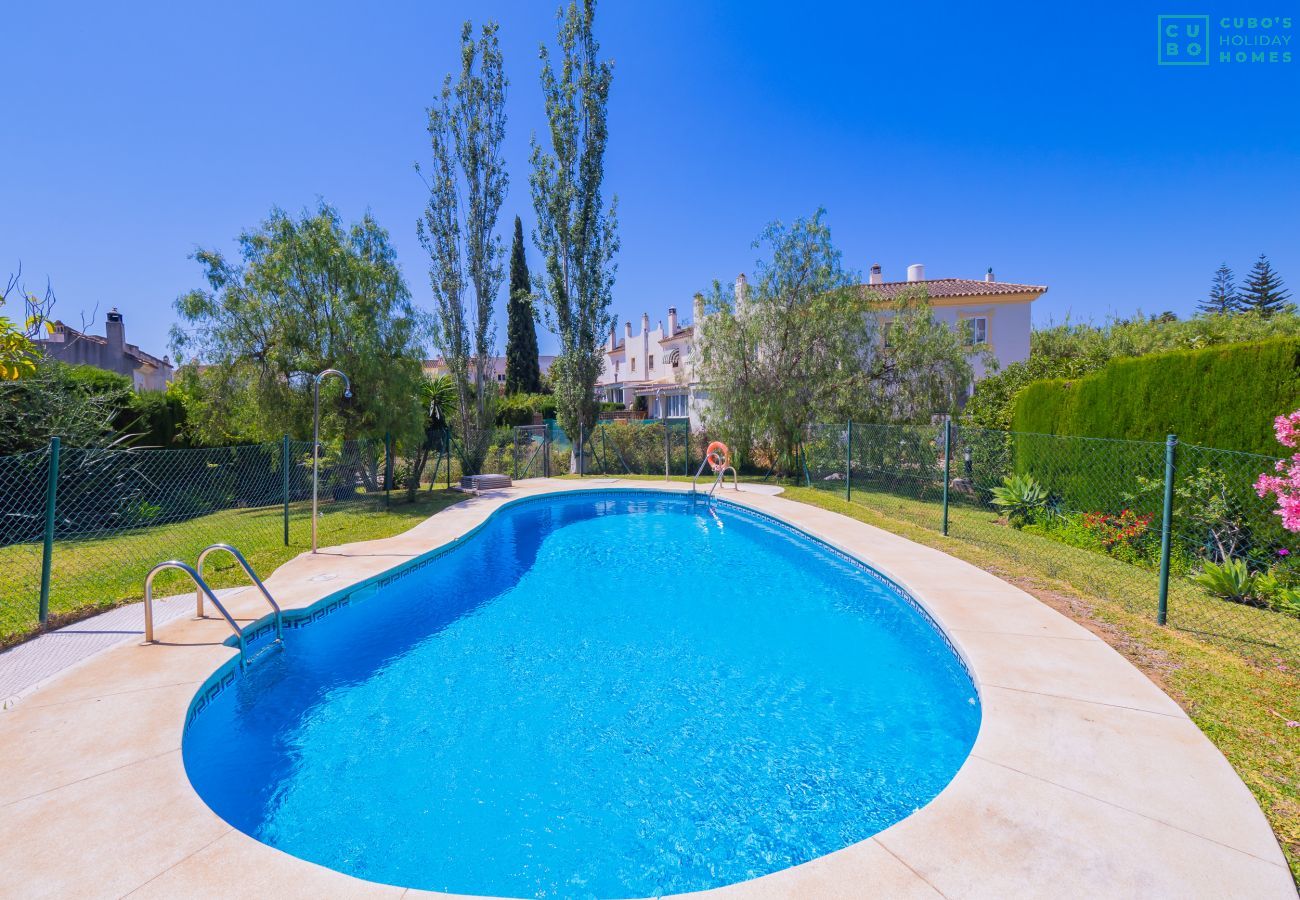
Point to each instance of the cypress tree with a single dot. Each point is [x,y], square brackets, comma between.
[523,374]
[1223,297]
[1263,291]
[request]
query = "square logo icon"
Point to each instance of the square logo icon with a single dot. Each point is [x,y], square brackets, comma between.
[1183,40]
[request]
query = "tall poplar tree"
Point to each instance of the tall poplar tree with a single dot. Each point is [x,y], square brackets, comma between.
[1223,293]
[1263,291]
[523,371]
[575,232]
[467,183]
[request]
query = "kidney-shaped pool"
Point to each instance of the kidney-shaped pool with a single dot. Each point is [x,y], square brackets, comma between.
[613,693]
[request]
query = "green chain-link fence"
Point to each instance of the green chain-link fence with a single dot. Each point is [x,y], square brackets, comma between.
[1091,512]
[651,447]
[117,511]
[1087,510]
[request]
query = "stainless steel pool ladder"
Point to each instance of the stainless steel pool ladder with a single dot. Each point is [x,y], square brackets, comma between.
[718,479]
[202,589]
[239,558]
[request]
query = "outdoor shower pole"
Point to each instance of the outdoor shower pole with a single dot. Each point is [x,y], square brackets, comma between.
[315,442]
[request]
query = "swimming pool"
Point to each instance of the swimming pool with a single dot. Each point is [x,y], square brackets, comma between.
[606,693]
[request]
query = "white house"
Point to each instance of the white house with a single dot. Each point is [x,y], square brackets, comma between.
[657,363]
[437,367]
[996,314]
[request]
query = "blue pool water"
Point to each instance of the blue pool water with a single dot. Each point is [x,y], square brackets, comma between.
[603,694]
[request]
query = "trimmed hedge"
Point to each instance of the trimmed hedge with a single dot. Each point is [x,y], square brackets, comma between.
[1224,397]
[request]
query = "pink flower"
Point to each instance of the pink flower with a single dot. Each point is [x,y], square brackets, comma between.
[1285,486]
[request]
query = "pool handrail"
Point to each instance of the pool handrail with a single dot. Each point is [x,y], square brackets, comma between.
[203,588]
[239,558]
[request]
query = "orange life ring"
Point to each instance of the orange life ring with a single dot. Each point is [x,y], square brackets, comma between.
[718,462]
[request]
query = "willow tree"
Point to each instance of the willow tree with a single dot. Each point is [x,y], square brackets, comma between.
[467,182]
[804,343]
[576,233]
[307,293]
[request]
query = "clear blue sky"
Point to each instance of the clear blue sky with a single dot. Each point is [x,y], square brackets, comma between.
[1040,139]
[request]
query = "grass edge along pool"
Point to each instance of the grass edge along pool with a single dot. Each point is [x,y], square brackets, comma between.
[593,693]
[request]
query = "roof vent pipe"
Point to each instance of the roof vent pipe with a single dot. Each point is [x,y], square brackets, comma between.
[875,277]
[916,272]
[988,276]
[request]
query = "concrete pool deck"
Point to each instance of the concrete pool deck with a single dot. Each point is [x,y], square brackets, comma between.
[1085,779]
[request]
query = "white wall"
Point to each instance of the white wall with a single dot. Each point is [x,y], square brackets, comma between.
[1008,329]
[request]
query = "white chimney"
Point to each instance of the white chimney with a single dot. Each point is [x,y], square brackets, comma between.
[672,321]
[645,322]
[661,326]
[742,290]
[875,277]
[988,276]
[916,272]
[627,329]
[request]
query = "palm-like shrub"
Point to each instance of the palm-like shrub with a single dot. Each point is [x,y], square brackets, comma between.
[1230,580]
[1022,498]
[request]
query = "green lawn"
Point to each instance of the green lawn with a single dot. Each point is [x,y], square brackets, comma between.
[94,574]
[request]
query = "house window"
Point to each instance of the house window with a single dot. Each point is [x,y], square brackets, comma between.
[615,395]
[677,406]
[650,363]
[634,364]
[977,330]
[675,358]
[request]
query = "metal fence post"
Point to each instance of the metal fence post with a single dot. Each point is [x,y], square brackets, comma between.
[546,451]
[848,463]
[284,465]
[47,552]
[582,434]
[1166,528]
[947,467]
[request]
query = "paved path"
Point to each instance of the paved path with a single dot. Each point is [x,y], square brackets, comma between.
[27,666]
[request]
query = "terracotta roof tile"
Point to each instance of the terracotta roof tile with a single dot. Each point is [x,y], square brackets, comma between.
[952,287]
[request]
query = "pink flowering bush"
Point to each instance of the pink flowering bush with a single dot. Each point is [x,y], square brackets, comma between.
[1286,485]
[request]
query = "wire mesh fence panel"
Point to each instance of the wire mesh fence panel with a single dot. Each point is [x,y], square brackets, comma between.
[530,456]
[639,448]
[825,457]
[897,470]
[1235,573]
[121,510]
[1066,507]
[23,482]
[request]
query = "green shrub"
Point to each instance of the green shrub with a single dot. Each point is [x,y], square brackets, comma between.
[1224,397]
[519,409]
[1230,580]
[1022,498]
